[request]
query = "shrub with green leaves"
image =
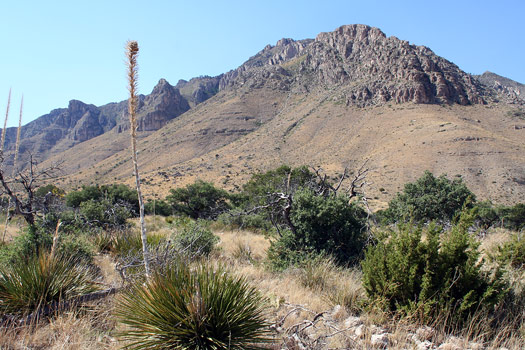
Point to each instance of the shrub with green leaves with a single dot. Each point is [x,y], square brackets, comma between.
[185,308]
[513,217]
[104,213]
[114,194]
[512,252]
[200,200]
[40,280]
[194,239]
[428,198]
[326,225]
[35,239]
[425,272]
[124,243]
[158,207]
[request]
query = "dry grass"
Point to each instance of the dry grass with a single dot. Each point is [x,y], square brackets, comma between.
[76,330]
[13,229]
[292,296]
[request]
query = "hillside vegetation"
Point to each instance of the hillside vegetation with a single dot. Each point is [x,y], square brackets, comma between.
[294,255]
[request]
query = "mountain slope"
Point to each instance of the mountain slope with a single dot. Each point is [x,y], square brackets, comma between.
[346,97]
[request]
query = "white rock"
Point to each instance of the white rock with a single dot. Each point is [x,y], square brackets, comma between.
[424,345]
[360,330]
[353,321]
[377,330]
[425,333]
[379,340]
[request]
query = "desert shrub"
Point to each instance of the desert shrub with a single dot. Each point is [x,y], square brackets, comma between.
[237,218]
[104,213]
[487,215]
[425,272]
[263,191]
[114,194]
[512,252]
[283,179]
[75,198]
[428,198]
[158,207]
[29,284]
[35,239]
[129,243]
[42,191]
[513,217]
[182,308]
[200,200]
[194,239]
[321,225]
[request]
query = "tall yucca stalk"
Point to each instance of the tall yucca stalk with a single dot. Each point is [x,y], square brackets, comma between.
[17,148]
[5,120]
[132,51]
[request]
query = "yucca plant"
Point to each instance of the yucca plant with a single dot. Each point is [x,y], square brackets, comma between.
[30,284]
[203,308]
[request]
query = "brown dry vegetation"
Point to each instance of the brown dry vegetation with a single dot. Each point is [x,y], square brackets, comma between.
[295,297]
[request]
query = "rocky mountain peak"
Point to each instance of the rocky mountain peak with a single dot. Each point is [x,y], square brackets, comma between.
[350,33]
[373,69]
[509,90]
[162,87]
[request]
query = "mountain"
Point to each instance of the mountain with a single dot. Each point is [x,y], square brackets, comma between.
[335,101]
[512,91]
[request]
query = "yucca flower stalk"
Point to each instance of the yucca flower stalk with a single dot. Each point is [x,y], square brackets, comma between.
[17,148]
[132,51]
[5,121]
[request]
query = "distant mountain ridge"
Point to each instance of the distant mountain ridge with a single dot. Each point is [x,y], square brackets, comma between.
[373,69]
[276,96]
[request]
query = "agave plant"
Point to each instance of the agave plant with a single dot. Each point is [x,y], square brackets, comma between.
[182,308]
[41,280]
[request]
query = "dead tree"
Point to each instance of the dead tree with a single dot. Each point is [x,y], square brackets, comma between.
[279,204]
[22,186]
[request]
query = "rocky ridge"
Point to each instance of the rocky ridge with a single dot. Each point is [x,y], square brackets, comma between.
[511,91]
[353,66]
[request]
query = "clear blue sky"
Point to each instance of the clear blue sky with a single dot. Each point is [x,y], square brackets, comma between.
[55,51]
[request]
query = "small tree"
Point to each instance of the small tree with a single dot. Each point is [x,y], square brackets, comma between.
[429,198]
[326,225]
[200,200]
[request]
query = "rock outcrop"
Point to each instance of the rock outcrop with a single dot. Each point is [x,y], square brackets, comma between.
[506,89]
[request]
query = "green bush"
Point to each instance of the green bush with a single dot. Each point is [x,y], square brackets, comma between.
[114,194]
[194,239]
[428,198]
[104,213]
[41,192]
[513,217]
[512,252]
[326,225]
[157,207]
[182,308]
[200,200]
[124,243]
[430,272]
[263,191]
[237,218]
[29,284]
[283,179]
[33,240]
